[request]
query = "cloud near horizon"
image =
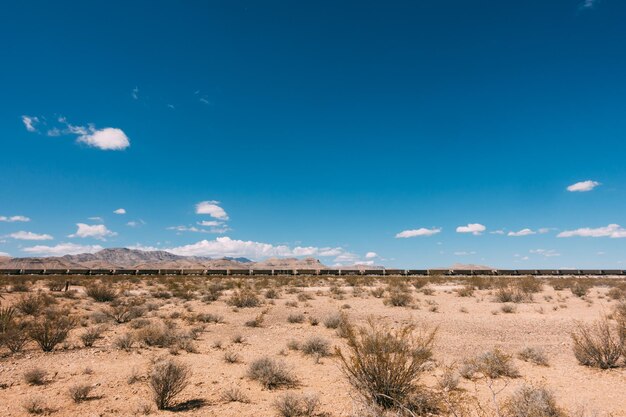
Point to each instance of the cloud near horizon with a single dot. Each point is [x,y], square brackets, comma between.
[22,235]
[62,249]
[612,230]
[96,231]
[12,219]
[523,232]
[422,231]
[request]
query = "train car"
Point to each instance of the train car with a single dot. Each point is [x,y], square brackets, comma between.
[417,272]
[170,271]
[33,271]
[506,272]
[238,272]
[307,272]
[55,272]
[216,272]
[462,272]
[10,271]
[393,271]
[373,272]
[547,272]
[77,272]
[528,272]
[148,272]
[612,272]
[260,272]
[193,272]
[483,272]
[330,272]
[100,272]
[124,272]
[283,272]
[350,272]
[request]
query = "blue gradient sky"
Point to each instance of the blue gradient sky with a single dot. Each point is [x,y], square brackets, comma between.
[321,128]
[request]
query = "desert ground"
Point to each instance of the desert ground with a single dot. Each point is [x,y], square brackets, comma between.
[120,329]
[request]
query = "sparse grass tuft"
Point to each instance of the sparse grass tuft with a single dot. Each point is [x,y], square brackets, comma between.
[35,376]
[315,345]
[271,373]
[297,405]
[492,364]
[80,392]
[533,355]
[244,299]
[529,401]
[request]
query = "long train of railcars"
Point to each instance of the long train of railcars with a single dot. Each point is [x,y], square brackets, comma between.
[323,272]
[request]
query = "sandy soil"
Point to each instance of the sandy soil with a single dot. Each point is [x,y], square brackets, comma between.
[467,326]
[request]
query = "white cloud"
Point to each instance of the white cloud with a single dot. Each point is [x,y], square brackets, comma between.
[367,263]
[370,255]
[545,252]
[497,232]
[210,223]
[120,211]
[523,232]
[211,208]
[12,219]
[225,246]
[21,235]
[5,254]
[473,228]
[417,232]
[96,219]
[62,249]
[464,253]
[589,4]
[54,132]
[135,223]
[583,186]
[612,230]
[30,122]
[135,93]
[96,231]
[107,139]
[194,229]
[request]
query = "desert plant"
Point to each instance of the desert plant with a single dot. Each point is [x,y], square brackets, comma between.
[34,405]
[35,376]
[296,405]
[155,334]
[600,344]
[271,373]
[529,401]
[397,298]
[231,357]
[580,289]
[384,365]
[257,321]
[168,379]
[315,345]
[80,392]
[51,329]
[124,341]
[244,299]
[234,394]
[508,308]
[491,364]
[534,355]
[295,318]
[30,304]
[465,291]
[15,335]
[90,336]
[333,321]
[101,293]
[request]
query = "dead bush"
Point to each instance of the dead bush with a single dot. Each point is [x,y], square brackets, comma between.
[465,291]
[90,336]
[101,293]
[508,294]
[533,355]
[35,376]
[125,341]
[50,329]
[600,344]
[244,299]
[80,392]
[168,379]
[234,394]
[271,374]
[398,298]
[231,357]
[580,289]
[30,304]
[492,364]
[333,321]
[15,336]
[155,334]
[529,401]
[316,345]
[34,406]
[295,318]
[297,405]
[384,365]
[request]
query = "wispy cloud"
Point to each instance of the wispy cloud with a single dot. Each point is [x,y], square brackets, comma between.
[62,249]
[30,122]
[548,253]
[120,211]
[464,253]
[135,93]
[583,186]
[370,255]
[473,228]
[523,232]
[194,229]
[95,231]
[612,230]
[417,232]
[22,235]
[13,219]
[589,4]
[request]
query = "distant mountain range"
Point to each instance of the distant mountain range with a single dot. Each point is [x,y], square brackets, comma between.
[138,259]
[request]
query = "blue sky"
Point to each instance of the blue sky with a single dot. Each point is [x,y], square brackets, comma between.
[409,134]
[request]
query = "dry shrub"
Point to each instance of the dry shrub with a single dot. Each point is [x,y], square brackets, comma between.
[600,344]
[234,394]
[616,293]
[297,405]
[168,379]
[244,299]
[155,334]
[271,373]
[14,336]
[231,357]
[580,289]
[272,294]
[90,336]
[80,392]
[533,355]
[384,365]
[316,345]
[257,321]
[209,318]
[35,376]
[333,321]
[295,318]
[50,329]
[492,364]
[378,292]
[101,293]
[529,401]
[509,294]
[529,285]
[508,308]
[398,298]
[465,291]
[30,304]
[125,341]
[125,312]
[34,405]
